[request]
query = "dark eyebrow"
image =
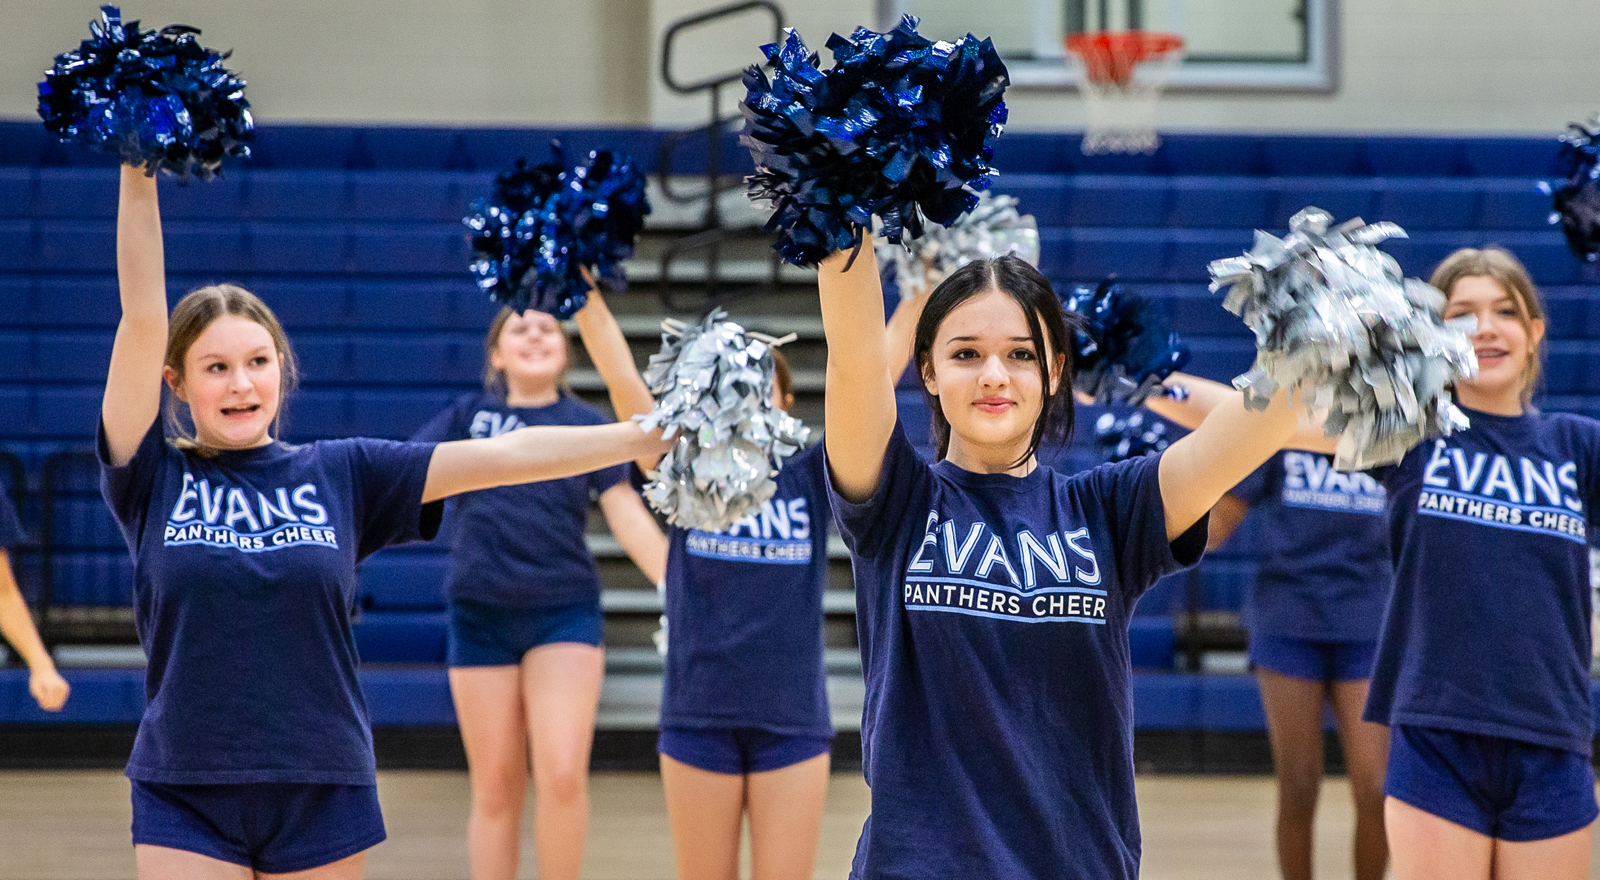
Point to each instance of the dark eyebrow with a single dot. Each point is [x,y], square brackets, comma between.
[975,339]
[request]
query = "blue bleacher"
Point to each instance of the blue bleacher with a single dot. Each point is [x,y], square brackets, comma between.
[353,235]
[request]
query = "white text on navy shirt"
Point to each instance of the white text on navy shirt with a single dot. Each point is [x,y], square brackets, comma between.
[970,570]
[1529,496]
[780,533]
[224,516]
[1310,481]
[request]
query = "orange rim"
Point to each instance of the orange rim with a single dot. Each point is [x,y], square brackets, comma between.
[1109,57]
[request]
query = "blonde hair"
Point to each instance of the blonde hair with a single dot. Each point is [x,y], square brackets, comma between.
[190,318]
[494,381]
[1500,266]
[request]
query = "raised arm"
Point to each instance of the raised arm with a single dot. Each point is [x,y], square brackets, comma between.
[132,398]
[636,530]
[1205,395]
[609,350]
[1200,467]
[902,331]
[529,455]
[859,404]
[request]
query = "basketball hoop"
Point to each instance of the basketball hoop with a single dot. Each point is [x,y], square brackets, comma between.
[1122,74]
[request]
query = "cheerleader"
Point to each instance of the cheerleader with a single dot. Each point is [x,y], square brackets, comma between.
[525,654]
[46,685]
[1483,659]
[745,724]
[255,751]
[993,595]
[1313,617]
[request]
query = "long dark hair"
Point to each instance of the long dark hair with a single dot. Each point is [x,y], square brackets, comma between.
[1051,329]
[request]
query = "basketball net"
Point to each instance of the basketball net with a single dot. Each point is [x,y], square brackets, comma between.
[1121,74]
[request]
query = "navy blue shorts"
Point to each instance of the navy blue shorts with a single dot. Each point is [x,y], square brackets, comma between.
[738,751]
[490,635]
[274,828]
[1498,787]
[1313,660]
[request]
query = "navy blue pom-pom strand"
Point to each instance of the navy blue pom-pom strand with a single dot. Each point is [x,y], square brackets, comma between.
[155,99]
[1576,202]
[1122,438]
[900,127]
[543,224]
[1123,349]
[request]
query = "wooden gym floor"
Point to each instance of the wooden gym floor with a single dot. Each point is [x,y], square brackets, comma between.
[73,825]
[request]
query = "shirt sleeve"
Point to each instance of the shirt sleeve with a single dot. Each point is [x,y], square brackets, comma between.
[605,478]
[1129,493]
[884,520]
[387,481]
[127,489]
[11,533]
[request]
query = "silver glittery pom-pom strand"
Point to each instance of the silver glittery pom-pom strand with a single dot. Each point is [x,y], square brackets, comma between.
[1338,325]
[989,231]
[712,382]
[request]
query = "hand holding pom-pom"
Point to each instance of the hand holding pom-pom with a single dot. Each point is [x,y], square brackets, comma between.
[1337,324]
[1576,203]
[1138,434]
[713,387]
[545,229]
[1123,348]
[900,128]
[156,99]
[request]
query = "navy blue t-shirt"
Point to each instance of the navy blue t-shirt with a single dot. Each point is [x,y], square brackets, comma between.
[993,611]
[10,528]
[1488,628]
[1324,572]
[522,546]
[744,613]
[244,567]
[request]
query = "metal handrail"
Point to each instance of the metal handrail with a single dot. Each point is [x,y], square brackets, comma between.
[710,15]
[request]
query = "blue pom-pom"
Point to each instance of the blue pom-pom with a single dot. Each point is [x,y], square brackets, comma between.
[900,127]
[543,224]
[1576,202]
[155,99]
[1138,434]
[1123,348]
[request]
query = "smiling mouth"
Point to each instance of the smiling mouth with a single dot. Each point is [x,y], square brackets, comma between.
[241,410]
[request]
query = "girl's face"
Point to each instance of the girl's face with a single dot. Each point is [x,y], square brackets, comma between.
[233,383]
[984,370]
[531,349]
[1503,344]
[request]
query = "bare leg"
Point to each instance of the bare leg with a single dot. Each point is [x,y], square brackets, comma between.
[786,819]
[561,687]
[164,863]
[348,868]
[1427,847]
[489,709]
[1366,757]
[1294,727]
[1556,858]
[704,809]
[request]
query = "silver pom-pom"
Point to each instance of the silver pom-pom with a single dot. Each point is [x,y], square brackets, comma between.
[987,232]
[1338,325]
[713,387]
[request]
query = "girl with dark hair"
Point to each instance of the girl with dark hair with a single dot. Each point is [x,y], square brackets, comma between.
[254,755]
[1482,671]
[993,595]
[525,654]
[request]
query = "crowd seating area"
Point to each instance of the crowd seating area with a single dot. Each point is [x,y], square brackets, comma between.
[354,237]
